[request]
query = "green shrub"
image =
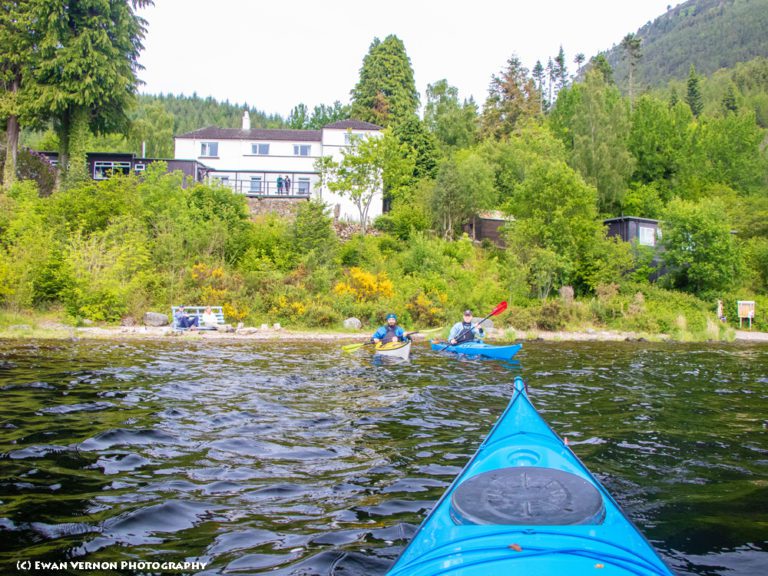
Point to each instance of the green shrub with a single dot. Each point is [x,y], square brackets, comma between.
[361,251]
[521,317]
[403,221]
[553,315]
[321,315]
[104,304]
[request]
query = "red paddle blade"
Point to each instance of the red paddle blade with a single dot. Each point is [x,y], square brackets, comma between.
[499,309]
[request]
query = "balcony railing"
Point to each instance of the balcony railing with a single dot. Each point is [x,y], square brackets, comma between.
[267,189]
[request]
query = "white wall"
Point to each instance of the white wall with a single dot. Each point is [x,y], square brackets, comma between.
[236,162]
[334,141]
[236,155]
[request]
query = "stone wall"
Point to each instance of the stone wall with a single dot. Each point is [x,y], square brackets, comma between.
[283,207]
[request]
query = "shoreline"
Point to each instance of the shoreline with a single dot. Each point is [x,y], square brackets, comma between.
[56,331]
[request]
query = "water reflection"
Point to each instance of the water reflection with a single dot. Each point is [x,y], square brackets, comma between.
[298,459]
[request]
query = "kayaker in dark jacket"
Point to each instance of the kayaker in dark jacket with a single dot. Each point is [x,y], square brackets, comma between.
[390,332]
[465,331]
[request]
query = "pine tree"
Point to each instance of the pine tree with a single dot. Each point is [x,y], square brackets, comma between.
[561,70]
[600,62]
[551,75]
[673,98]
[693,95]
[386,92]
[414,134]
[538,76]
[631,46]
[17,37]
[512,97]
[729,100]
[85,70]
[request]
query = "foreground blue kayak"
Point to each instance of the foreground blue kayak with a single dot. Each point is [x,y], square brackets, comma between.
[525,505]
[480,349]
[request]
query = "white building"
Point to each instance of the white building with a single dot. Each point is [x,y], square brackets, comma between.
[251,161]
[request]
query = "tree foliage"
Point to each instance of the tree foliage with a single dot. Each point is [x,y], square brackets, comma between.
[693,93]
[700,252]
[632,51]
[600,129]
[464,186]
[369,167]
[386,91]
[17,39]
[453,123]
[413,133]
[555,234]
[85,70]
[512,98]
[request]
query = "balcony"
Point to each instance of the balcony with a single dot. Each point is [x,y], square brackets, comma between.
[258,188]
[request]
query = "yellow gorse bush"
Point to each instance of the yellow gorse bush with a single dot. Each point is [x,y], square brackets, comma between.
[288,309]
[365,286]
[235,313]
[202,272]
[428,308]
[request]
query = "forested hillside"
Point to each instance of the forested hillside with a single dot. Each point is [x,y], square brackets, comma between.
[193,112]
[710,34]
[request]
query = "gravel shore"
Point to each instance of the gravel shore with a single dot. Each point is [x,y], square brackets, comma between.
[270,334]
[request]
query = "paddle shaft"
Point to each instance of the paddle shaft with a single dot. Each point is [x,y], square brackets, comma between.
[353,347]
[498,310]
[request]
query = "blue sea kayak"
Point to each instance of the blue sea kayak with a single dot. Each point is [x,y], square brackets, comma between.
[526,505]
[480,349]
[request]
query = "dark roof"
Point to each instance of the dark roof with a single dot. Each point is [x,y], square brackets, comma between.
[214,133]
[352,125]
[630,219]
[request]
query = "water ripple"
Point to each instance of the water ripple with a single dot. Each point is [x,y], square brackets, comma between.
[298,459]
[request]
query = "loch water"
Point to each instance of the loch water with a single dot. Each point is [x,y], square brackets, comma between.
[297,459]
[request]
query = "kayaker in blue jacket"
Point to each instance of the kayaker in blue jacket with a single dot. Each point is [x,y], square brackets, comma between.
[465,331]
[390,332]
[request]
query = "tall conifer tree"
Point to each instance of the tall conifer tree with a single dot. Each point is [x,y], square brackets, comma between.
[631,46]
[512,97]
[85,73]
[386,92]
[693,95]
[561,69]
[17,38]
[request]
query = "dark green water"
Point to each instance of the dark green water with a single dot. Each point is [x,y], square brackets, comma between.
[297,459]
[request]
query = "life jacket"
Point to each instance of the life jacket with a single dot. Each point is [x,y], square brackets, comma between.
[390,333]
[467,334]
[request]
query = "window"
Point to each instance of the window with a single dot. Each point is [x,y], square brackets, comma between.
[224,180]
[301,149]
[104,169]
[350,138]
[260,149]
[209,149]
[255,184]
[140,167]
[303,188]
[647,235]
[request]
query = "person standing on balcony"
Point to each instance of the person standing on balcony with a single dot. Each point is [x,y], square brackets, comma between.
[287,184]
[279,184]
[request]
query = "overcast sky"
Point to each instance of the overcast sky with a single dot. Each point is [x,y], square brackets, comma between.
[276,54]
